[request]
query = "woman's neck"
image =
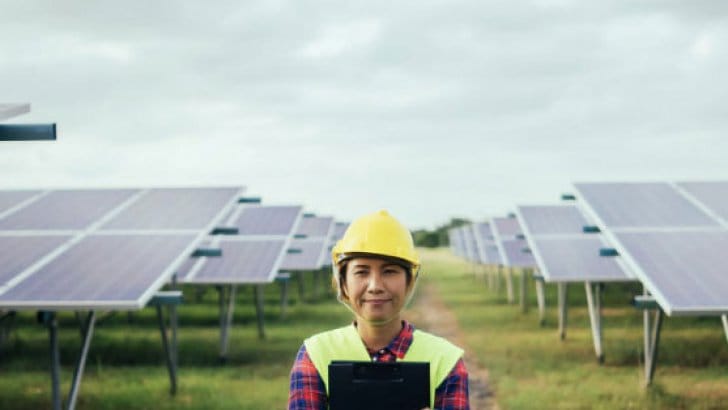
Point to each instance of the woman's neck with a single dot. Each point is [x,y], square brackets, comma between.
[377,336]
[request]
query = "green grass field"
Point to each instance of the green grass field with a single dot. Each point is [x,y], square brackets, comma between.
[529,366]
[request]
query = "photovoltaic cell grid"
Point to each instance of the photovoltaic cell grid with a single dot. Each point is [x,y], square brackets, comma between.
[255,255]
[83,249]
[313,249]
[469,244]
[487,248]
[671,236]
[11,199]
[512,249]
[562,251]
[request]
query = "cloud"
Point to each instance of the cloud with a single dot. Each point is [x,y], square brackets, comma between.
[429,108]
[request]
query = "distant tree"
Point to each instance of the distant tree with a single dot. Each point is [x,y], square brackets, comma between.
[437,237]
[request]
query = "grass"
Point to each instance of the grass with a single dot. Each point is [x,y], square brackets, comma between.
[529,366]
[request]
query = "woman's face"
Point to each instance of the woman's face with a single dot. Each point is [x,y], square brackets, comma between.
[376,289]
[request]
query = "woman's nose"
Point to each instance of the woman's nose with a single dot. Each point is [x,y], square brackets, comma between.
[375,282]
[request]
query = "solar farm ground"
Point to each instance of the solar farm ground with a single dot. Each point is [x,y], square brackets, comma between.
[528,366]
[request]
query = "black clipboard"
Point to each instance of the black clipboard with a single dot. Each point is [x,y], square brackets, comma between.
[381,386]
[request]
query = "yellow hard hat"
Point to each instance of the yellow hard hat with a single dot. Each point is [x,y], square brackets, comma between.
[377,234]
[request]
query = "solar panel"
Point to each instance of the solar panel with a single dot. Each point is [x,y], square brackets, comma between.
[469,245]
[561,249]
[20,252]
[66,209]
[486,244]
[316,226]
[255,255]
[675,249]
[713,195]
[512,249]
[12,110]
[642,205]
[243,262]
[11,199]
[173,208]
[506,227]
[339,230]
[311,255]
[110,271]
[685,269]
[551,219]
[515,254]
[88,268]
[268,220]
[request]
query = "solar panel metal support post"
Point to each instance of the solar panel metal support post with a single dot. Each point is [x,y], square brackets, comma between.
[652,343]
[593,298]
[562,289]
[509,285]
[724,318]
[541,300]
[52,322]
[170,352]
[259,310]
[498,275]
[523,291]
[226,317]
[283,279]
[81,364]
[300,279]
[316,285]
[6,324]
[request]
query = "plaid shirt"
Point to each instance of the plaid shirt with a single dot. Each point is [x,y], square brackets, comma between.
[307,390]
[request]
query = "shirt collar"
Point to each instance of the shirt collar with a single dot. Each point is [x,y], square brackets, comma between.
[401,343]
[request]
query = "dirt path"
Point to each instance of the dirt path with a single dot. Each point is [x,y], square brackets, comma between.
[431,313]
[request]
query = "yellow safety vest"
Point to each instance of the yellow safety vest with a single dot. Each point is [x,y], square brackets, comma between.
[345,344]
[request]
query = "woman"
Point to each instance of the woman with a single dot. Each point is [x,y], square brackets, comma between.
[375,269]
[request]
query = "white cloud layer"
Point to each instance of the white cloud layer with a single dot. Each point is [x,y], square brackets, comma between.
[432,109]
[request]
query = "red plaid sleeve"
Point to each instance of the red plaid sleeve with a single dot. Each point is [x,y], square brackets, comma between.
[452,394]
[307,390]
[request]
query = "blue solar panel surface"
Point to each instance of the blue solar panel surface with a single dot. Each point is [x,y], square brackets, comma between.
[318,226]
[173,208]
[66,209]
[243,262]
[642,205]
[551,219]
[20,252]
[516,255]
[64,260]
[506,227]
[312,255]
[10,199]
[713,195]
[255,254]
[561,249]
[673,249]
[268,220]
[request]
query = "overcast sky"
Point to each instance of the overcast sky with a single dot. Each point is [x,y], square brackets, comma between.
[431,109]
